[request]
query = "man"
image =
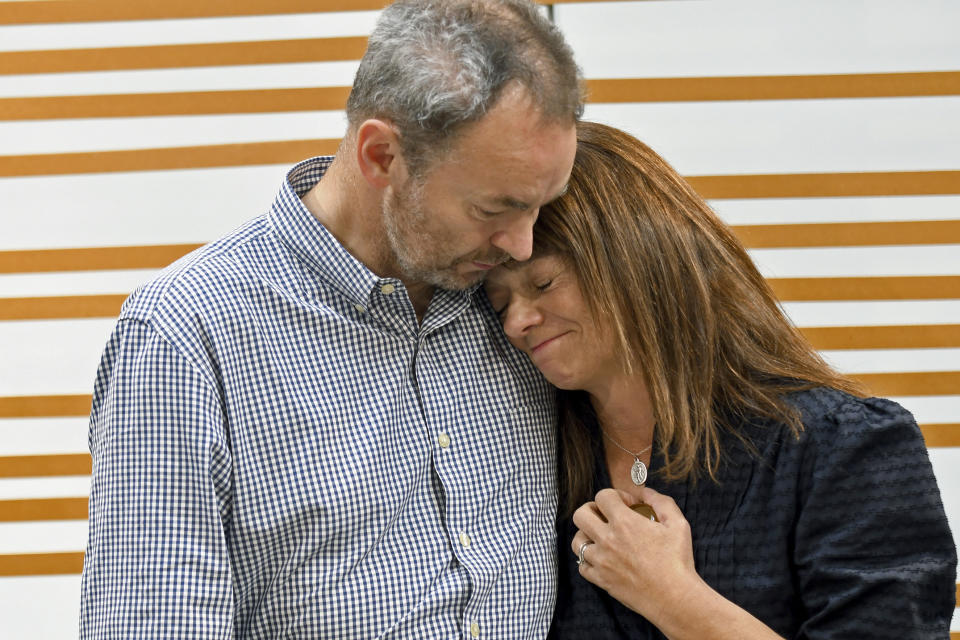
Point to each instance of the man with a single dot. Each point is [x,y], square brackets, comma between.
[313,428]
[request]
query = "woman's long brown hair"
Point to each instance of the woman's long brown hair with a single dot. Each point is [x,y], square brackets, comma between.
[688,307]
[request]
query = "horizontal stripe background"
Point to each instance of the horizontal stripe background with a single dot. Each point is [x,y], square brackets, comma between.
[824,136]
[46,11]
[835,157]
[631,90]
[927,232]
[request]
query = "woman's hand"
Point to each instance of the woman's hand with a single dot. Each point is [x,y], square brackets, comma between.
[646,565]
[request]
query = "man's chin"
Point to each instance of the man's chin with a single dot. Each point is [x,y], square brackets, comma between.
[456,280]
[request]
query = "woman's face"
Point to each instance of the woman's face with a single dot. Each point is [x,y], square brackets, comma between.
[545,315]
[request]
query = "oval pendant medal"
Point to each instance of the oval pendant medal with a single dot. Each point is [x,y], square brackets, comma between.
[638,472]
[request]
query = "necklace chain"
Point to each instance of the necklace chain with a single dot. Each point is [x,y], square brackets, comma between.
[635,455]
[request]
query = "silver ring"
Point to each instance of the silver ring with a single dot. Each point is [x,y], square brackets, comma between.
[580,559]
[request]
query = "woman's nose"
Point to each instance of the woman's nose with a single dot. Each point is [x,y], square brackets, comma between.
[521,317]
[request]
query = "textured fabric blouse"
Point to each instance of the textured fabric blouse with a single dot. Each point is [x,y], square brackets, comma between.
[838,534]
[281,450]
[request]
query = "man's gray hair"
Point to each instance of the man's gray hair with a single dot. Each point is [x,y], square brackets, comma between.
[432,66]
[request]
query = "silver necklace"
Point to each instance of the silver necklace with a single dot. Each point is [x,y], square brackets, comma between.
[638,472]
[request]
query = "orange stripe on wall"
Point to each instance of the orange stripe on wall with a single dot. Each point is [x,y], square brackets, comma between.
[173,104]
[849,234]
[334,98]
[941,435]
[92,258]
[788,87]
[929,336]
[77,464]
[868,288]
[828,185]
[38,509]
[40,564]
[53,307]
[54,11]
[923,383]
[212,54]
[61,406]
[224,155]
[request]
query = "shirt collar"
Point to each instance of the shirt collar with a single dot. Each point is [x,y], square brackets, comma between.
[313,243]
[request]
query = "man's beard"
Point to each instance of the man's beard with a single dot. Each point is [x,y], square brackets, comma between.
[417,251]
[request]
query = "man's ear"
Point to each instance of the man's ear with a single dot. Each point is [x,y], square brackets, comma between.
[378,153]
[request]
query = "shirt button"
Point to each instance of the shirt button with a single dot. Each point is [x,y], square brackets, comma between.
[360,308]
[387,289]
[444,440]
[464,539]
[475,630]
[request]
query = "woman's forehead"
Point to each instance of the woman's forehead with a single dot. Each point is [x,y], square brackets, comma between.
[513,271]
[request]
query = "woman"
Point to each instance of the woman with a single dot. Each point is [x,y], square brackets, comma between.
[789,505]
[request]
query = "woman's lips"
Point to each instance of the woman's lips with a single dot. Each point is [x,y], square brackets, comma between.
[546,342]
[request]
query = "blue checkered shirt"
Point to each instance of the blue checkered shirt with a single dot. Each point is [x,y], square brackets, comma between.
[280,450]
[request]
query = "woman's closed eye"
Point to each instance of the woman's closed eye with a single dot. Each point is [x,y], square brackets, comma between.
[501,310]
[499,304]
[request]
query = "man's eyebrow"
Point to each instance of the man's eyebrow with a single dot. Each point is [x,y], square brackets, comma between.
[511,203]
[520,205]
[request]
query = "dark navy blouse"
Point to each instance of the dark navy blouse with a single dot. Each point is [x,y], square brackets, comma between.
[839,533]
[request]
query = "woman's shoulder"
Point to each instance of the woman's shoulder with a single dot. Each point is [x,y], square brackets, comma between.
[831,413]
[854,436]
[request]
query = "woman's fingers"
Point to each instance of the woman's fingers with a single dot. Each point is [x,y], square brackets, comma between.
[578,540]
[609,520]
[580,543]
[631,557]
[613,503]
[664,505]
[588,519]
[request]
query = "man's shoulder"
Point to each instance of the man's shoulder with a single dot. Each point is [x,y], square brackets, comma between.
[207,275]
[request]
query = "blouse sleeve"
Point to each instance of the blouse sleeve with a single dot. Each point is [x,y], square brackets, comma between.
[873,551]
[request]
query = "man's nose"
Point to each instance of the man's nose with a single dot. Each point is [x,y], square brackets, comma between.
[517,238]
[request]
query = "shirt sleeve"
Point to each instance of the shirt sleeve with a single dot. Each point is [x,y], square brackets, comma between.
[874,554]
[157,562]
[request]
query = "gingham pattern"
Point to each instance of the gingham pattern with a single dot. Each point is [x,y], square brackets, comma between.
[267,462]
